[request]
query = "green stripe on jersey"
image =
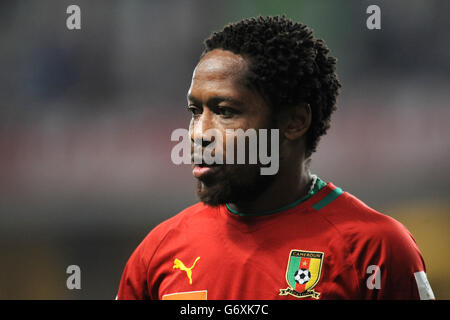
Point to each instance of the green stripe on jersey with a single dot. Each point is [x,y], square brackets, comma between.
[317,187]
[328,199]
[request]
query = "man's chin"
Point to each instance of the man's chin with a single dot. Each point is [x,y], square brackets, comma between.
[231,189]
[213,194]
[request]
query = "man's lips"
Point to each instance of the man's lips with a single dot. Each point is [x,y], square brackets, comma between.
[201,170]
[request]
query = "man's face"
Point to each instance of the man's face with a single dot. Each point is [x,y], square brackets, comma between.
[219,99]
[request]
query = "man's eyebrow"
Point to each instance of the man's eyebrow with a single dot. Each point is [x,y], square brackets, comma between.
[192,98]
[216,100]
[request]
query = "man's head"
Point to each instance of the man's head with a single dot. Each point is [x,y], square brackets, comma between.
[260,73]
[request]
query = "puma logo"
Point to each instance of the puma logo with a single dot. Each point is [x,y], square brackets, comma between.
[178,264]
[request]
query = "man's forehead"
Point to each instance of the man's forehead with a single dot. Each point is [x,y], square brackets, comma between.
[220,64]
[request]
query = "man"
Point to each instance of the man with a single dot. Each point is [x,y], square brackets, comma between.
[289,235]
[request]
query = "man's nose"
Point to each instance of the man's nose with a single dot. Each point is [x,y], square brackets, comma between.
[199,128]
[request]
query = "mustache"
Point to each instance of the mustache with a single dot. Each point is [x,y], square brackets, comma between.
[198,156]
[199,159]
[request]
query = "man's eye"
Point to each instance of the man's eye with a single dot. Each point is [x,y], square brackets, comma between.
[194,110]
[227,112]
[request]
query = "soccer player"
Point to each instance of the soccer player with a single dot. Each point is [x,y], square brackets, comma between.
[289,235]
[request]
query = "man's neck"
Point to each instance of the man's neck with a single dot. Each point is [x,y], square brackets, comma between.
[290,185]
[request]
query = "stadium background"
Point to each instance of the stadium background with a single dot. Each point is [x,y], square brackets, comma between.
[86,118]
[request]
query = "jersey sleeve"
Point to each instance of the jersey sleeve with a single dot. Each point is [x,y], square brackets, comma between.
[133,284]
[137,280]
[390,264]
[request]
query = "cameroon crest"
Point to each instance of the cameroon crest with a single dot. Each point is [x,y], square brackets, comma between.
[303,274]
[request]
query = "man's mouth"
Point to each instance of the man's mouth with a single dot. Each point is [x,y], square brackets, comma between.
[203,169]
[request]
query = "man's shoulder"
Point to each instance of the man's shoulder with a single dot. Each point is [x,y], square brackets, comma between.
[180,220]
[356,221]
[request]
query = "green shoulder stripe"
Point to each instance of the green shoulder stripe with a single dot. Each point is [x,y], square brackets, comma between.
[328,199]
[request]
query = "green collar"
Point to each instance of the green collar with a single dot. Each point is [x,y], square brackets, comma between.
[319,185]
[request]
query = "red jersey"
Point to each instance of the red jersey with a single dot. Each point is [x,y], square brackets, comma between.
[331,246]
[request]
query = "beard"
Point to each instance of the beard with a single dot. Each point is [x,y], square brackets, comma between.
[233,184]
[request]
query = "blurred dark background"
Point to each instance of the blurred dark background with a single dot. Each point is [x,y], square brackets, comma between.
[86,118]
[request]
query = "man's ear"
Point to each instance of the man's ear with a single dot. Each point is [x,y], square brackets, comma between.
[296,121]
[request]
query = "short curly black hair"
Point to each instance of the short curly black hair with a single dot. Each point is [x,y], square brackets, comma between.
[288,66]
